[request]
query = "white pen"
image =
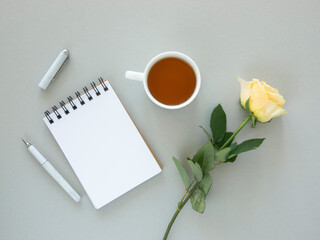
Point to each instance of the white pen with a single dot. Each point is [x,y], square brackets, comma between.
[54,69]
[52,171]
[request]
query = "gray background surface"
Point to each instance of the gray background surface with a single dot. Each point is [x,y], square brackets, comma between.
[271,193]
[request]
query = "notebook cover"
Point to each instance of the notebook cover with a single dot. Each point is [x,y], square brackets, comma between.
[103,146]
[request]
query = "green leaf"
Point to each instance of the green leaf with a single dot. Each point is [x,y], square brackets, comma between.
[243,107]
[206,183]
[247,146]
[233,145]
[254,121]
[232,159]
[222,155]
[198,157]
[183,173]
[195,170]
[205,157]
[208,158]
[247,105]
[225,138]
[206,132]
[198,200]
[218,123]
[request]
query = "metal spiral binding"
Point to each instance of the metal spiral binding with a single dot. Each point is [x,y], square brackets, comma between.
[80,98]
[105,88]
[62,104]
[86,91]
[71,100]
[94,87]
[55,110]
[74,107]
[47,114]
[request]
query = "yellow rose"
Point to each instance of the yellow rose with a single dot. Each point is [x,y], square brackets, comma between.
[265,102]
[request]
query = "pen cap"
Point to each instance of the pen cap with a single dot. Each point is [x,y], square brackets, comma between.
[54,69]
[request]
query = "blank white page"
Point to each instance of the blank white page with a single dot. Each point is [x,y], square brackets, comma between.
[103,146]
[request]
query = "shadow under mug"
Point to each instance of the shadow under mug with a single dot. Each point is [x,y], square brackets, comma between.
[143,76]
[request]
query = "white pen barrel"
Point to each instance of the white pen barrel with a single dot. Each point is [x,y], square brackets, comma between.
[37,154]
[61,181]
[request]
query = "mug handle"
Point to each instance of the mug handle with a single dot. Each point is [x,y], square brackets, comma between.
[139,76]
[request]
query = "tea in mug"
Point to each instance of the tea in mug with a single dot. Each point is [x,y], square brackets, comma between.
[171,81]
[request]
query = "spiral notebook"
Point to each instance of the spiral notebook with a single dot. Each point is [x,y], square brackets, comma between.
[101,142]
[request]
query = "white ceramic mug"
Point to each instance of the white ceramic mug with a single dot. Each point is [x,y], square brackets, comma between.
[143,76]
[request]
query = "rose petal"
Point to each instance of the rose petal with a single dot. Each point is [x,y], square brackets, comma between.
[268,111]
[261,117]
[277,98]
[245,90]
[278,113]
[269,88]
[258,96]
